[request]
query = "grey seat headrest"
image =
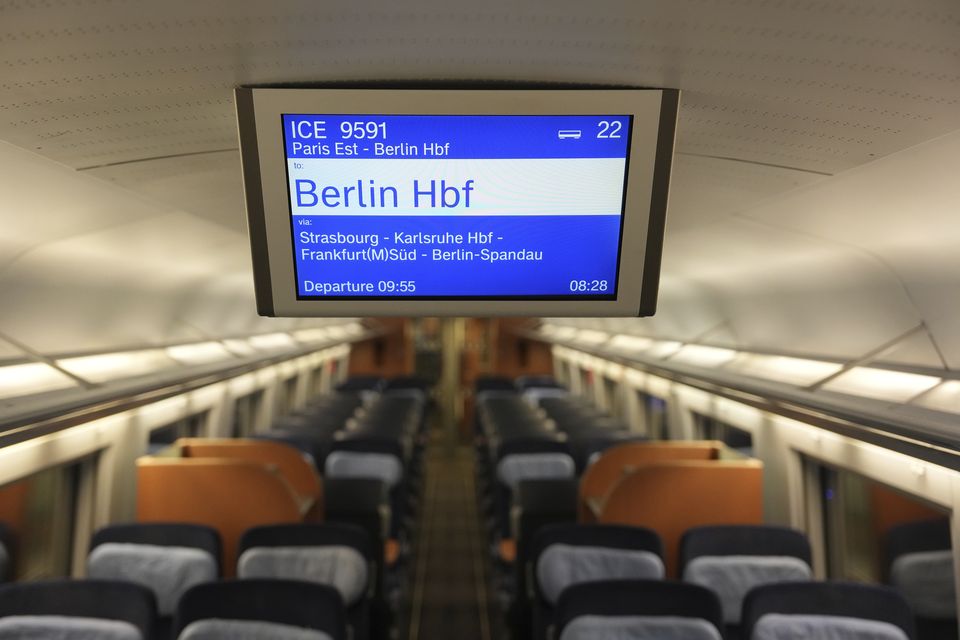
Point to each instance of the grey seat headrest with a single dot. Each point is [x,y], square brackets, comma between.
[731,577]
[780,626]
[65,628]
[217,629]
[167,571]
[338,566]
[639,628]
[563,565]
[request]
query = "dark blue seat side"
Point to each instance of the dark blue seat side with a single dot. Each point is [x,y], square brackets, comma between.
[105,599]
[289,602]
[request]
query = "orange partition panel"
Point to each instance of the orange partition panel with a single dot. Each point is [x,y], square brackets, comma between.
[602,476]
[290,463]
[229,495]
[890,508]
[671,497]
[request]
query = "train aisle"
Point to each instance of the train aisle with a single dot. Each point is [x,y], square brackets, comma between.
[451,597]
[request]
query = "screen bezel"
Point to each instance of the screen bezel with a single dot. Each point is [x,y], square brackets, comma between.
[649,160]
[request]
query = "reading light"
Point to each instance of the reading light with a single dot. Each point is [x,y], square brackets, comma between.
[945,397]
[624,342]
[320,334]
[239,347]
[795,371]
[110,366]
[32,377]
[591,336]
[663,348]
[882,384]
[199,353]
[702,356]
[270,341]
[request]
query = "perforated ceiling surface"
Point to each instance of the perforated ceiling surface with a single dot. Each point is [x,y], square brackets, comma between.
[118,87]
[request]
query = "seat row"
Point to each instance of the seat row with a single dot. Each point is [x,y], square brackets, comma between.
[651,609]
[536,476]
[351,457]
[727,560]
[168,560]
[226,610]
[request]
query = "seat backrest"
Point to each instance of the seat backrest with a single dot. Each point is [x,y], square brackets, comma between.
[537,382]
[780,626]
[166,570]
[642,609]
[291,603]
[920,566]
[599,478]
[66,628]
[567,554]
[535,395]
[335,554]
[296,469]
[90,601]
[217,629]
[821,610]
[673,497]
[639,628]
[356,464]
[733,559]
[6,557]
[517,467]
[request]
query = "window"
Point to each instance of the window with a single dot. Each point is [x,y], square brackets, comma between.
[40,512]
[611,397]
[868,526]
[287,400]
[163,437]
[318,380]
[737,439]
[654,412]
[246,413]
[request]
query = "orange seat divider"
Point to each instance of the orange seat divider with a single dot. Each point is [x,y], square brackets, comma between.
[671,497]
[602,476]
[229,495]
[507,550]
[290,463]
[391,552]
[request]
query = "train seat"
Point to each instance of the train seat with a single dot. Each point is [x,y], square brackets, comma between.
[537,382]
[363,459]
[338,555]
[384,467]
[638,610]
[229,495]
[166,558]
[673,497]
[6,555]
[290,463]
[357,384]
[493,383]
[600,478]
[534,395]
[565,555]
[529,463]
[919,564]
[261,610]
[731,560]
[826,611]
[76,610]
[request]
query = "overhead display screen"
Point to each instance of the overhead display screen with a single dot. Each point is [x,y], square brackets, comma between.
[449,206]
[435,201]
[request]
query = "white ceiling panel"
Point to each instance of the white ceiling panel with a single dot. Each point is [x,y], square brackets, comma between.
[786,227]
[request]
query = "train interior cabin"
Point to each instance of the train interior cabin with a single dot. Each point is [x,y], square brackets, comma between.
[360,320]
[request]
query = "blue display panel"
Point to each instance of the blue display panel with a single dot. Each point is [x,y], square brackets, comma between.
[457,206]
